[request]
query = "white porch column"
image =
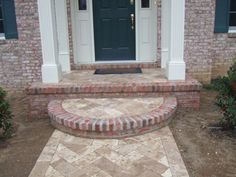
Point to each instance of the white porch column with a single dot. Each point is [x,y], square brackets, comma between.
[176,68]
[165,26]
[63,37]
[51,69]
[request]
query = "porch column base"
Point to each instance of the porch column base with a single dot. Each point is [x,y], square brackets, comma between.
[51,73]
[176,70]
[64,60]
[164,57]
[62,35]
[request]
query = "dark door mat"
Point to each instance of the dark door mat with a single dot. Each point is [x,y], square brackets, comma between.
[119,71]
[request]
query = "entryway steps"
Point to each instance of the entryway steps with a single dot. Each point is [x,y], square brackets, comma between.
[116,65]
[84,84]
[111,117]
[189,85]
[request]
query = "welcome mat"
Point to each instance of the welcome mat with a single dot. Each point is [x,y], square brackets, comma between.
[119,71]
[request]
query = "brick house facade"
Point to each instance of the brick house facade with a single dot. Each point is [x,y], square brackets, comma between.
[207,54]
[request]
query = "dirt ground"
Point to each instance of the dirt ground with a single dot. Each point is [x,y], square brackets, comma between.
[19,154]
[206,153]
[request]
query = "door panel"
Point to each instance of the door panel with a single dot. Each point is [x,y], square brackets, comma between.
[114,36]
[147,31]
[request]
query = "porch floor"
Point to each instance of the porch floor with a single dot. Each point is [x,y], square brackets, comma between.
[88,77]
[86,82]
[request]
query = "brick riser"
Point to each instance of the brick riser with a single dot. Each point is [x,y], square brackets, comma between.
[120,127]
[39,95]
[129,88]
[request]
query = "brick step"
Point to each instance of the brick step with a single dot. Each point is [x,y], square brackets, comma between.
[117,88]
[111,117]
[116,65]
[84,84]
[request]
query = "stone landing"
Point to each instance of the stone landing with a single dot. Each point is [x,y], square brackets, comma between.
[111,117]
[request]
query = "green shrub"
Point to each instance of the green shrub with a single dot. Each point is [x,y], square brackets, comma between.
[232,73]
[6,125]
[226,98]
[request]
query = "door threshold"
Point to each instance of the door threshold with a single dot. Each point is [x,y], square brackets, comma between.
[121,62]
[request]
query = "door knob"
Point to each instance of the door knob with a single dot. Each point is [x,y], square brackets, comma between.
[131,2]
[132,21]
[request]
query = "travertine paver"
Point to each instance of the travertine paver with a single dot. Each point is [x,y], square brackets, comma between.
[88,77]
[150,155]
[108,108]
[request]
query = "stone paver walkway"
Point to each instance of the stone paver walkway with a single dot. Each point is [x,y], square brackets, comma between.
[151,155]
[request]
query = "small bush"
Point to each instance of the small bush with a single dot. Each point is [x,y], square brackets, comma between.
[226,98]
[6,125]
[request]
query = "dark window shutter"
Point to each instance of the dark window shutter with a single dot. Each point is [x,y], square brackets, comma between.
[10,27]
[222,16]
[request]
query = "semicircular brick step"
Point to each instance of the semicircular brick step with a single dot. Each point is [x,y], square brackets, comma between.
[111,117]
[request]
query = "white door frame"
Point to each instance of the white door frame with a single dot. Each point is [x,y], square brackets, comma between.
[83,33]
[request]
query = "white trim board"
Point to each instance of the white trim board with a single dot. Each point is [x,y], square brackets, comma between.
[83,33]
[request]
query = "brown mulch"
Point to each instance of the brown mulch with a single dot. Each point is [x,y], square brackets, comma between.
[19,154]
[206,152]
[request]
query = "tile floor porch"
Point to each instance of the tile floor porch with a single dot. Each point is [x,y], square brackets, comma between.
[149,75]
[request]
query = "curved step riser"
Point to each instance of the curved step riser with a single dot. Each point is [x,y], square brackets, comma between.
[119,127]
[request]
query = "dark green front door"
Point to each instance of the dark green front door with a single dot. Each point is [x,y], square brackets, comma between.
[114,29]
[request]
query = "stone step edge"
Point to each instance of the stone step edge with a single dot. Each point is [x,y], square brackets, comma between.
[161,114]
[191,85]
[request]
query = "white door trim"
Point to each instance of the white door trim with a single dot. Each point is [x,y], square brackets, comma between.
[84,45]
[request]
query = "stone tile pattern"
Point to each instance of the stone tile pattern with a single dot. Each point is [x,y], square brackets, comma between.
[109,108]
[150,155]
[81,84]
[117,125]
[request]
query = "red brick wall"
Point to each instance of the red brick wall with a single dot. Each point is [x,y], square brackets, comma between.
[206,54]
[224,52]
[20,60]
[198,38]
